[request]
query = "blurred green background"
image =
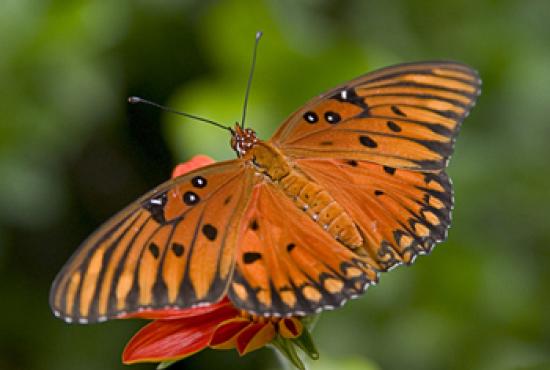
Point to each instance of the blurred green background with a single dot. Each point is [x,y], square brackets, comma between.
[72,152]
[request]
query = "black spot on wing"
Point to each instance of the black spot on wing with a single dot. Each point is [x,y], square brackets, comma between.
[251,257]
[254,225]
[199,181]
[311,117]
[178,249]
[389,170]
[191,198]
[332,117]
[210,232]
[154,249]
[395,109]
[155,206]
[348,95]
[367,141]
[393,126]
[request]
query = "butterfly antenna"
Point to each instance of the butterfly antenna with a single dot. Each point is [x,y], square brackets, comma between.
[258,37]
[138,100]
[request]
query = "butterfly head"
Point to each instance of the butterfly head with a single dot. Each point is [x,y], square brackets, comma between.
[242,140]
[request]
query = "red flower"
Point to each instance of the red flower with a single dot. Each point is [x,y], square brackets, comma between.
[175,334]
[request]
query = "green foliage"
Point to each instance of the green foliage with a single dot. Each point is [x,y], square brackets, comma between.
[72,153]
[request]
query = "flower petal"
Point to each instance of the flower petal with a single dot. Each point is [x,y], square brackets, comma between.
[255,336]
[290,327]
[174,313]
[192,164]
[225,336]
[164,340]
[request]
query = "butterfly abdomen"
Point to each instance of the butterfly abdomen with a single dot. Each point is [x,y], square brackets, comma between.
[307,195]
[322,208]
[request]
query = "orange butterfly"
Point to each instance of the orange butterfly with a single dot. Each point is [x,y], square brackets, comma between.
[351,184]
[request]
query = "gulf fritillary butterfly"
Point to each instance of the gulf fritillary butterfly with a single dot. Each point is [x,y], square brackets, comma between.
[352,184]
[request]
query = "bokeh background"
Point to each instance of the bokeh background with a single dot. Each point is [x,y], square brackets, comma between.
[72,152]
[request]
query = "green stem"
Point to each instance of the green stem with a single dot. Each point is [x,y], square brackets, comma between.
[286,352]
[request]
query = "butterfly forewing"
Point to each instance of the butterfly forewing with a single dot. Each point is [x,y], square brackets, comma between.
[405,116]
[174,247]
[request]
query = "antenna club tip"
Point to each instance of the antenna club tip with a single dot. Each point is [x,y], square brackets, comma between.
[259,34]
[134,100]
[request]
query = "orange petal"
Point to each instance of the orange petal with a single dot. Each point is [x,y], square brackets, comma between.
[255,336]
[166,340]
[290,327]
[192,164]
[225,336]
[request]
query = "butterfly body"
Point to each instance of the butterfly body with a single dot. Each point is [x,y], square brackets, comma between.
[308,196]
[351,185]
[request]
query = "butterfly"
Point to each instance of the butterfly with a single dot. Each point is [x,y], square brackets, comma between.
[352,184]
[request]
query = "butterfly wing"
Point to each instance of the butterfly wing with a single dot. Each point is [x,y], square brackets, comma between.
[401,213]
[287,265]
[174,247]
[405,116]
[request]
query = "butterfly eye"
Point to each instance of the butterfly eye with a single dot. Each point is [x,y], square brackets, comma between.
[332,117]
[311,117]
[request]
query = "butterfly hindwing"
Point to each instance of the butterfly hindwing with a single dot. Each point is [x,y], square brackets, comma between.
[405,116]
[174,247]
[401,213]
[286,264]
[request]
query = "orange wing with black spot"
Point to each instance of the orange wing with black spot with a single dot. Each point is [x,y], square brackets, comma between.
[400,213]
[287,265]
[174,247]
[405,116]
